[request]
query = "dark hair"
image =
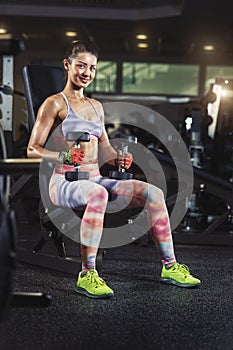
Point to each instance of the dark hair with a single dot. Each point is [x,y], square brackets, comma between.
[77,47]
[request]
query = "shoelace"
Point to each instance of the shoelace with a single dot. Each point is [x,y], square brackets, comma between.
[183,268]
[95,279]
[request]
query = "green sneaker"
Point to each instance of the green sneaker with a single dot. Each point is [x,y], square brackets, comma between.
[93,286]
[179,275]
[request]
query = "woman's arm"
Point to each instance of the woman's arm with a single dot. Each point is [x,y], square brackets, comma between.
[46,116]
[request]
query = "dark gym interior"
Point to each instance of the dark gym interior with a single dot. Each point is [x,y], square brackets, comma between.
[167,62]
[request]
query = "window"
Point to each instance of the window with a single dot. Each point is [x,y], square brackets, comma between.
[160,79]
[214,72]
[105,80]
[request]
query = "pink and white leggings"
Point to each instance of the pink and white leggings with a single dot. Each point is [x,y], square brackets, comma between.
[94,194]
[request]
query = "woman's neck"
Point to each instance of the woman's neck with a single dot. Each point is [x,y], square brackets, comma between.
[74,94]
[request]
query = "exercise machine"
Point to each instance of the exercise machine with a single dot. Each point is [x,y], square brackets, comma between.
[8,237]
[8,167]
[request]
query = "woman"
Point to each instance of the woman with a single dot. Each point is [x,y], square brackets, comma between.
[70,110]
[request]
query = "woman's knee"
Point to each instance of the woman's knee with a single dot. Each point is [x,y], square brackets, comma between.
[155,193]
[99,193]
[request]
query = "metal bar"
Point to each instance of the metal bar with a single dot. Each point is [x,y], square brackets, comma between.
[92,12]
[18,186]
[67,265]
[7,98]
[217,222]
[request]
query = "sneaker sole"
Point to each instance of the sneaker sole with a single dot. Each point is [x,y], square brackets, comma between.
[94,296]
[175,283]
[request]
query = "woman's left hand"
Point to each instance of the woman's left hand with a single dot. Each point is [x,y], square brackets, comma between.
[124,160]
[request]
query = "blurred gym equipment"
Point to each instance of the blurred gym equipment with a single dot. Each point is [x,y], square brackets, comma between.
[8,237]
[210,210]
[209,218]
[8,48]
[8,167]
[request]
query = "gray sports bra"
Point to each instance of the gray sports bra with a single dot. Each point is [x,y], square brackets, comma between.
[72,122]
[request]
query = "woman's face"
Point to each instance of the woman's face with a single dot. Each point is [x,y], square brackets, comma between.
[81,71]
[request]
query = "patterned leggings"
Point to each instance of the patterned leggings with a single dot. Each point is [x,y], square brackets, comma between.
[94,194]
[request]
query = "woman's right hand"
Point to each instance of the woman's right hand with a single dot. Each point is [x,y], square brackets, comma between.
[124,160]
[74,156]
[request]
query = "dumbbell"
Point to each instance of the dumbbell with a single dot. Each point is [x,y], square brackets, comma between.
[77,174]
[121,173]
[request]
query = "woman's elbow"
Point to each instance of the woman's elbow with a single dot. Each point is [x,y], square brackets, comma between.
[31,152]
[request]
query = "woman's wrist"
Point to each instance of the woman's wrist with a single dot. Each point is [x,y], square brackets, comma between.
[116,162]
[62,157]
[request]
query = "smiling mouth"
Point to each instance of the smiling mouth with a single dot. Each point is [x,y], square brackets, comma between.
[83,80]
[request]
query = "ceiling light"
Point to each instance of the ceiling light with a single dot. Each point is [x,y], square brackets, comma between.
[142,45]
[3,31]
[208,47]
[25,35]
[6,36]
[71,34]
[224,93]
[142,36]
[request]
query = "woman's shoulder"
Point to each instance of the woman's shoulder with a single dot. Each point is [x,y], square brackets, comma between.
[55,100]
[55,97]
[93,100]
[95,103]
[52,107]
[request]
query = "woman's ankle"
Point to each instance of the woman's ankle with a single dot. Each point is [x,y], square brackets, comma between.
[85,271]
[169,265]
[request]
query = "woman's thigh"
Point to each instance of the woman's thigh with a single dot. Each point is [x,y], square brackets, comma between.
[128,193]
[125,193]
[75,194]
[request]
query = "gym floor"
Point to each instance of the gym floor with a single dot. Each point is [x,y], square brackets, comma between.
[143,314]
